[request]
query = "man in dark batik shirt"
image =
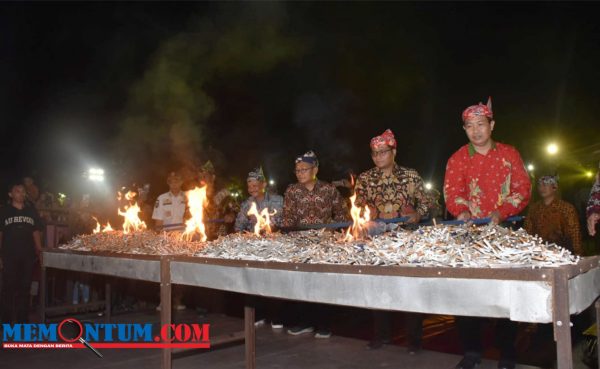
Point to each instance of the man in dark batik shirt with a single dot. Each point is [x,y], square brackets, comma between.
[554,219]
[392,191]
[312,201]
[221,204]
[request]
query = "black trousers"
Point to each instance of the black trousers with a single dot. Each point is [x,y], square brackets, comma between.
[16,283]
[383,323]
[469,329]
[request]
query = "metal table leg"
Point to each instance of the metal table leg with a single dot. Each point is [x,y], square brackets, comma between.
[562,322]
[165,303]
[250,335]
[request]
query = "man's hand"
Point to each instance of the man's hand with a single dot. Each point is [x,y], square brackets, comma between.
[496,217]
[411,213]
[464,216]
[592,220]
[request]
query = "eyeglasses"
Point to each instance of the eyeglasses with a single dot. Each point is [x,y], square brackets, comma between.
[380,153]
[304,170]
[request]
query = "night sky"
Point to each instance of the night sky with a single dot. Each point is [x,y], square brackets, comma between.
[144,88]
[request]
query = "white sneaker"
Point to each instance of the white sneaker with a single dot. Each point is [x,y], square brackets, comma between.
[180,307]
[260,323]
[158,308]
[276,325]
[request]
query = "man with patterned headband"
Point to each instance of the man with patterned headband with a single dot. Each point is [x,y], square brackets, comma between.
[593,208]
[257,185]
[311,201]
[553,219]
[483,179]
[390,190]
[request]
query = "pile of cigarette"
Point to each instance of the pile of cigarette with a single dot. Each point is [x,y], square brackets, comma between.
[442,245]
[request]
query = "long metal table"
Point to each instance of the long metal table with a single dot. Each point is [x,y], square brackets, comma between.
[521,294]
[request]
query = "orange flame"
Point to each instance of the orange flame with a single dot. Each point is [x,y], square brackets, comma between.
[197,201]
[132,221]
[358,228]
[99,228]
[263,219]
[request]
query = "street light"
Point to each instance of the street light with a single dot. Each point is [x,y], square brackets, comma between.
[428,186]
[589,173]
[96,174]
[552,148]
[271,182]
[530,167]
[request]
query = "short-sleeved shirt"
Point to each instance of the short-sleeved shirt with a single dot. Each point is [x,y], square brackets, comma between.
[17,227]
[170,208]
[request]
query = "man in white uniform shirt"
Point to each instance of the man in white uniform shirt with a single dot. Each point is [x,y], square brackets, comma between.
[170,206]
[169,210]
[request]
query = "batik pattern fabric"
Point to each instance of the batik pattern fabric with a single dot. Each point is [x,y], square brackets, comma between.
[219,205]
[482,184]
[386,139]
[321,205]
[557,222]
[594,202]
[392,195]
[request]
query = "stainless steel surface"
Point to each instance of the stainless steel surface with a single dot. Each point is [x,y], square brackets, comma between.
[133,268]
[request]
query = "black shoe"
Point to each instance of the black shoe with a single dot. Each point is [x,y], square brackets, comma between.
[468,362]
[506,364]
[377,344]
[413,349]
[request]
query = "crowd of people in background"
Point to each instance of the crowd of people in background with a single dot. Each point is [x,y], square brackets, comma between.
[484,179]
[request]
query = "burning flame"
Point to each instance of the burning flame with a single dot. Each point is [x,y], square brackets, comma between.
[263,219]
[99,228]
[358,228]
[197,201]
[132,221]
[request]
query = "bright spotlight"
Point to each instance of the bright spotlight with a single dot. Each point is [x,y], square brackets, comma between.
[530,167]
[552,148]
[271,182]
[589,174]
[428,186]
[96,174]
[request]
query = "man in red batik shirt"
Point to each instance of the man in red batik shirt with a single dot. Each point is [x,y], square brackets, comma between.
[485,178]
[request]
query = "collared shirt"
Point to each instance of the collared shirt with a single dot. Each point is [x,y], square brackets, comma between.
[594,202]
[482,184]
[322,205]
[556,222]
[388,195]
[170,208]
[274,203]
